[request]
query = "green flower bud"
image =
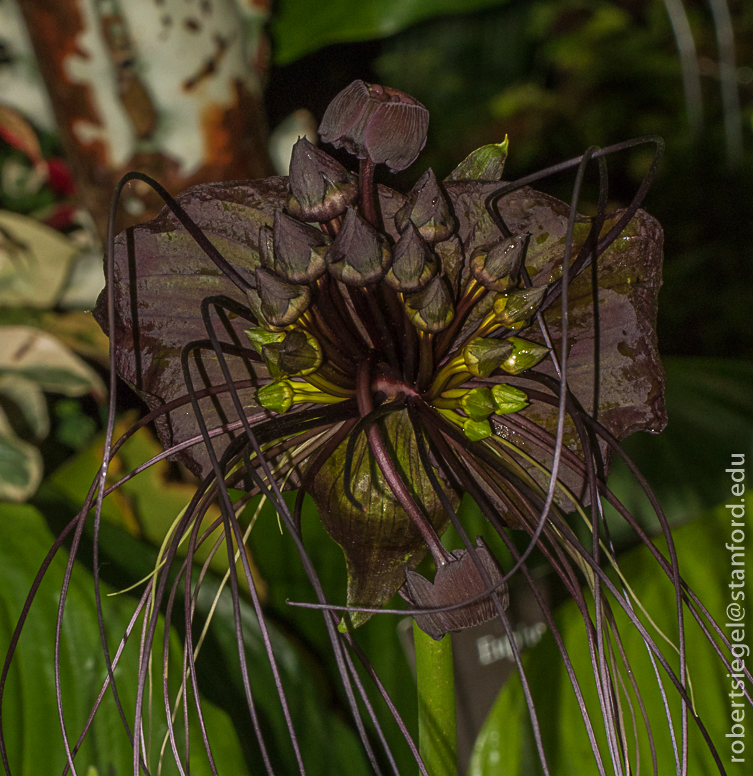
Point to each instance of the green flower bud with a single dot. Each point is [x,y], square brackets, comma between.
[485,354]
[413,263]
[281,303]
[484,164]
[515,310]
[320,187]
[478,403]
[296,353]
[260,337]
[508,399]
[497,266]
[299,249]
[277,397]
[359,255]
[431,309]
[476,430]
[429,209]
[525,354]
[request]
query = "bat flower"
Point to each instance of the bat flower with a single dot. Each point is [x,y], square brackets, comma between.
[402,351]
[386,353]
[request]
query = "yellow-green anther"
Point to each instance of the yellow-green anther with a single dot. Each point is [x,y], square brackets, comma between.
[525,354]
[478,403]
[508,399]
[277,397]
[260,337]
[476,430]
[485,354]
[516,309]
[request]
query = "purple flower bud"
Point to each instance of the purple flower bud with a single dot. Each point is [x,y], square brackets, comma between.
[429,209]
[376,122]
[320,187]
[281,303]
[359,255]
[413,263]
[299,249]
[497,266]
[431,309]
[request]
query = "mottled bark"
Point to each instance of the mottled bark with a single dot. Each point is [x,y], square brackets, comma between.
[170,89]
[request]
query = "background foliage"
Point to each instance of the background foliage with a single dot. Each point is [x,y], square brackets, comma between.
[555,77]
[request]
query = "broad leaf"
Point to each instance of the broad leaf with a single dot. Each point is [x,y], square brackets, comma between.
[30,717]
[34,261]
[38,356]
[506,745]
[20,465]
[341,22]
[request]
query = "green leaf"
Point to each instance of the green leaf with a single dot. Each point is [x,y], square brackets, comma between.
[505,744]
[41,357]
[20,465]
[27,399]
[34,263]
[710,410]
[30,716]
[298,29]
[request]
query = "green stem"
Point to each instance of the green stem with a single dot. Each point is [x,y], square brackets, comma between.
[437,729]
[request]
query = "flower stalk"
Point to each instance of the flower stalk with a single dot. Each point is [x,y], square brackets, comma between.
[437,725]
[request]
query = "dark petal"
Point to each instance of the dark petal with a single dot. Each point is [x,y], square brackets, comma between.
[380,542]
[413,263]
[161,276]
[340,120]
[359,255]
[299,249]
[431,309]
[631,379]
[429,209]
[455,582]
[282,303]
[396,134]
[320,187]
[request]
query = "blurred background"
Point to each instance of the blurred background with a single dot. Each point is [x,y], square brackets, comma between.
[191,91]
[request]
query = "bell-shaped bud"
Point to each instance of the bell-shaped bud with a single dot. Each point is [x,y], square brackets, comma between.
[456,582]
[485,354]
[484,164]
[266,247]
[296,354]
[476,430]
[260,338]
[413,263]
[281,303]
[299,249]
[431,309]
[508,399]
[497,266]
[376,122]
[429,209]
[359,255]
[277,397]
[525,354]
[478,403]
[320,187]
[515,310]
